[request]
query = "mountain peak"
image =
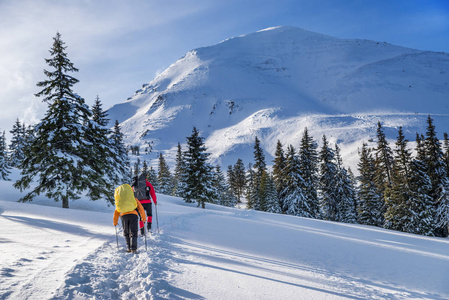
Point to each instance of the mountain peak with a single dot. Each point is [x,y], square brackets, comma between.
[274,82]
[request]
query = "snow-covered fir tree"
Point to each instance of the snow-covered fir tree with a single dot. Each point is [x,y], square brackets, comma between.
[251,193]
[327,183]
[442,211]
[384,158]
[421,205]
[443,201]
[4,164]
[397,196]
[137,168]
[260,168]
[446,152]
[295,203]
[103,155]
[145,168]
[369,205]
[308,158]
[17,144]
[221,189]
[438,177]
[180,175]
[199,179]
[164,177]
[152,178]
[383,165]
[60,158]
[270,195]
[121,164]
[344,192]
[230,180]
[239,179]
[279,176]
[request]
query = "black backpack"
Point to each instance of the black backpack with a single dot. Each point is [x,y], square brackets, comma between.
[140,188]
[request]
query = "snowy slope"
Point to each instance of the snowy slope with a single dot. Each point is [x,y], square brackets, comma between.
[274,82]
[218,253]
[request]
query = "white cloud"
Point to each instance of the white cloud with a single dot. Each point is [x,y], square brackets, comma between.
[104,39]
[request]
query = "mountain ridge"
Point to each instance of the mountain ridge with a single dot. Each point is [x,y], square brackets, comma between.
[290,78]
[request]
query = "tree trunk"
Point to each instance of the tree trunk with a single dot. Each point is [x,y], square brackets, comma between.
[65,201]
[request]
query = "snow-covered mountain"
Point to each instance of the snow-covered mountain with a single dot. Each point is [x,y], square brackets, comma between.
[275,82]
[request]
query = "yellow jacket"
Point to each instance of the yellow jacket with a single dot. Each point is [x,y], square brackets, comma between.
[143,216]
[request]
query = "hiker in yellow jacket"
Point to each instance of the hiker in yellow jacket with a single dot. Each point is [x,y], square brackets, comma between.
[125,207]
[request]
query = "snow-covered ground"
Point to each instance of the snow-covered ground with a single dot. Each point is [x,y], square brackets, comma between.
[218,253]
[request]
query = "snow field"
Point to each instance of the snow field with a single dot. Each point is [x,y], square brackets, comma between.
[216,253]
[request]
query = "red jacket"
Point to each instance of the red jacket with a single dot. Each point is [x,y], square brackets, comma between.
[152,193]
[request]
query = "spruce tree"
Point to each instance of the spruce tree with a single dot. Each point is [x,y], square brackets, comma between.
[251,191]
[260,168]
[60,154]
[308,158]
[384,158]
[145,168]
[101,155]
[198,170]
[137,169]
[121,164]
[421,205]
[221,189]
[446,152]
[240,179]
[295,203]
[398,194]
[17,145]
[164,177]
[383,165]
[4,164]
[180,174]
[278,171]
[230,180]
[370,203]
[344,192]
[437,174]
[327,183]
[152,178]
[270,194]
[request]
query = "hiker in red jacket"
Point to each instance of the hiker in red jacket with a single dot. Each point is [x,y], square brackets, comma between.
[144,192]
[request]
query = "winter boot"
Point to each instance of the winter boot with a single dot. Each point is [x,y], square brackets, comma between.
[142,231]
[149,226]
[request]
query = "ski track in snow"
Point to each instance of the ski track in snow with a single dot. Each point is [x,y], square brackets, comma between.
[111,273]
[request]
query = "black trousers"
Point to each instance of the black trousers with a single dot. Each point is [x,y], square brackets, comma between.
[148,207]
[130,230]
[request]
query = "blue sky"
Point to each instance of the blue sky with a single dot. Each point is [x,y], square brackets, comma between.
[118,44]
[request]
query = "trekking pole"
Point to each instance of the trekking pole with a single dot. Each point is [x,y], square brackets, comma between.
[157,221]
[116,236]
[145,231]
